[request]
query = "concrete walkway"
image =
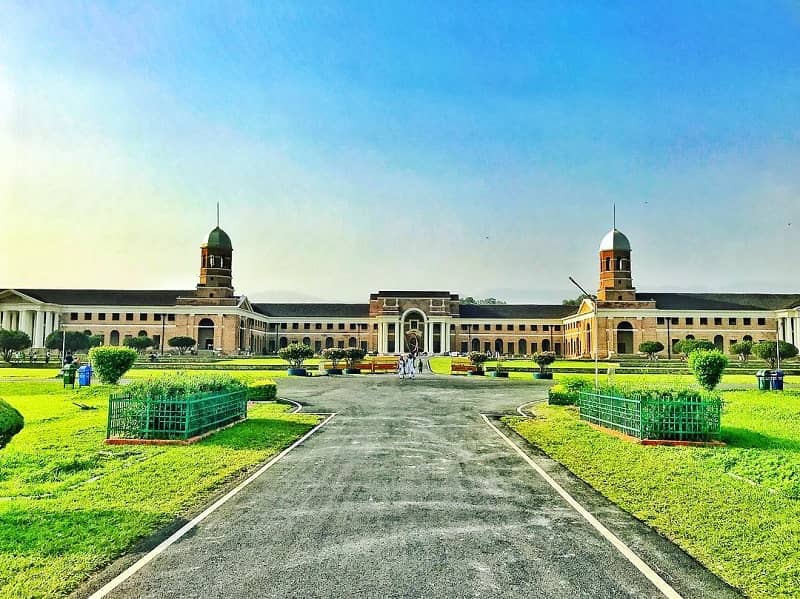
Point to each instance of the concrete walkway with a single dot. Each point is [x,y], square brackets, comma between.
[408,493]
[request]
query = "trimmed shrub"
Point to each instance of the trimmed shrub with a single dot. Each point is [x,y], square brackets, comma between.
[687,346]
[335,355]
[296,354]
[353,355]
[768,351]
[181,343]
[75,341]
[651,348]
[182,384]
[708,366]
[743,349]
[265,390]
[566,392]
[139,343]
[111,363]
[11,422]
[477,358]
[13,341]
[544,359]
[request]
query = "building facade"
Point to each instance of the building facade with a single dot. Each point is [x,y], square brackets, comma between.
[403,321]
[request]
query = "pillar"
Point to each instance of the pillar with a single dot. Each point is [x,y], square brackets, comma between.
[56,320]
[5,316]
[38,329]
[26,322]
[400,341]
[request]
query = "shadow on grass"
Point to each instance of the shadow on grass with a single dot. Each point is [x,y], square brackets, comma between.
[259,433]
[747,439]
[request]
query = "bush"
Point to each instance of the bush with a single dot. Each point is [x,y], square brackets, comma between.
[182,384]
[768,351]
[11,422]
[265,390]
[335,355]
[544,359]
[354,355]
[139,343]
[743,349]
[708,366]
[181,343]
[110,363]
[651,348]
[12,341]
[95,341]
[477,358]
[567,391]
[687,346]
[296,354]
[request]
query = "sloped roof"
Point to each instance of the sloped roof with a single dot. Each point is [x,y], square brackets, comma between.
[307,310]
[415,294]
[722,301]
[516,310]
[108,297]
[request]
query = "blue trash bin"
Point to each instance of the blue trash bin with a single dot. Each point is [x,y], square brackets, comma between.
[84,376]
[776,381]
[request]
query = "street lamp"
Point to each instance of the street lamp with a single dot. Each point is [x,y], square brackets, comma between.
[593,299]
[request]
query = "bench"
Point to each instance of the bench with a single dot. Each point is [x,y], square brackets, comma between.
[462,367]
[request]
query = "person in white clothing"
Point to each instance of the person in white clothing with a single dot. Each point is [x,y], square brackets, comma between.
[401,367]
[411,371]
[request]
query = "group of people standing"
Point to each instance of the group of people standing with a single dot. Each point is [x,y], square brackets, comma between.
[409,365]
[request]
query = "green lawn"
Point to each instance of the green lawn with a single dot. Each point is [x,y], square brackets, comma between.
[736,509]
[70,504]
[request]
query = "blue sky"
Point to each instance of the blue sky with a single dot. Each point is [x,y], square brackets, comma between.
[473,147]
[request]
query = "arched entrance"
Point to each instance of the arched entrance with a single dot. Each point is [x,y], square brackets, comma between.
[718,342]
[498,346]
[545,345]
[414,326]
[625,338]
[113,339]
[522,347]
[476,345]
[205,334]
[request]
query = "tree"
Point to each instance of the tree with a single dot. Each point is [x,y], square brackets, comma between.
[477,358]
[687,346]
[574,302]
[708,366]
[110,363]
[335,355]
[11,422]
[75,341]
[296,354]
[139,343]
[544,359]
[768,351]
[354,355]
[182,344]
[743,349]
[12,341]
[95,341]
[651,348]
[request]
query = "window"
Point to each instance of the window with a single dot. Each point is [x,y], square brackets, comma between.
[704,321]
[101,316]
[475,328]
[156,340]
[306,326]
[87,315]
[762,322]
[747,321]
[510,327]
[498,327]
[546,327]
[557,327]
[157,317]
[731,321]
[717,321]
[522,327]
[690,320]
[487,327]
[733,342]
[129,316]
[295,326]
[464,327]
[143,316]
[283,326]
[341,328]
[660,320]
[329,327]
[534,327]
[73,316]
[170,318]
[352,327]
[115,316]
[318,326]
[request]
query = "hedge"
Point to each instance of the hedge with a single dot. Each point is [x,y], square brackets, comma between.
[11,422]
[265,390]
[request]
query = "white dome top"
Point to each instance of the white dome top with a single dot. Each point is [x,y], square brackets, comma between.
[615,240]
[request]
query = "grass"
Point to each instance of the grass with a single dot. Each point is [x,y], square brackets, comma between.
[70,504]
[736,509]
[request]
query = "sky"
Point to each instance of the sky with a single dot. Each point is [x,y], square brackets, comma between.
[476,148]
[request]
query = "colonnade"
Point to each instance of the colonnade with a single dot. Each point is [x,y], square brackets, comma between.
[430,327]
[37,324]
[790,330]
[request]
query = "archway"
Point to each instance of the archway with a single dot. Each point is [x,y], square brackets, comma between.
[748,338]
[476,345]
[284,341]
[625,338]
[113,338]
[718,342]
[545,345]
[352,342]
[205,334]
[307,341]
[498,346]
[522,347]
[689,337]
[328,342]
[414,327]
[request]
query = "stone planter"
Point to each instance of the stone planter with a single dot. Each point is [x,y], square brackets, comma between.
[543,375]
[334,371]
[297,372]
[352,371]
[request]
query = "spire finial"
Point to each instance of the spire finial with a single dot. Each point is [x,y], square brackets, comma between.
[614,208]
[217,214]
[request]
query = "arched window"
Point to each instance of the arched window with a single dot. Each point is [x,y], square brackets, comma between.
[307,341]
[608,263]
[87,332]
[476,345]
[328,342]
[689,336]
[284,342]
[719,342]
[205,334]
[522,347]
[498,346]
[113,338]
[352,342]
[624,338]
[142,333]
[748,338]
[545,345]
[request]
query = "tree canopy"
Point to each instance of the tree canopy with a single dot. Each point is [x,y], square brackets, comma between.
[12,341]
[75,341]
[296,354]
[182,343]
[768,351]
[139,343]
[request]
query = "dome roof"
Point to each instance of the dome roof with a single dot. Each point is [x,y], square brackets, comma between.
[615,240]
[219,239]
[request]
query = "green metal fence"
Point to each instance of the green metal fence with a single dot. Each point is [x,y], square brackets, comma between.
[173,417]
[649,417]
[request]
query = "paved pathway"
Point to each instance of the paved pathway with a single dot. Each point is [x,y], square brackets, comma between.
[408,493]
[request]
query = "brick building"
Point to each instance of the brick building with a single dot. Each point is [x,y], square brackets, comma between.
[401,321]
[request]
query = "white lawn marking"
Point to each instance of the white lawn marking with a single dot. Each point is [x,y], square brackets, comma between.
[626,551]
[154,553]
[297,408]
[521,412]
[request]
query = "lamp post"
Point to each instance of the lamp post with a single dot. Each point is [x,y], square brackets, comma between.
[593,299]
[163,328]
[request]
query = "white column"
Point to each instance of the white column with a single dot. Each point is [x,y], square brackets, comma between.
[38,329]
[428,337]
[15,318]
[56,320]
[48,324]
[5,316]
[797,330]
[446,329]
[26,322]
[400,338]
[381,337]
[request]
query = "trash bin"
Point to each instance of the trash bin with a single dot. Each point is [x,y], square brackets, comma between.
[84,376]
[763,377]
[776,381]
[69,375]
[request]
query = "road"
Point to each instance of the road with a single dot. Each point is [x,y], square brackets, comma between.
[407,492]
